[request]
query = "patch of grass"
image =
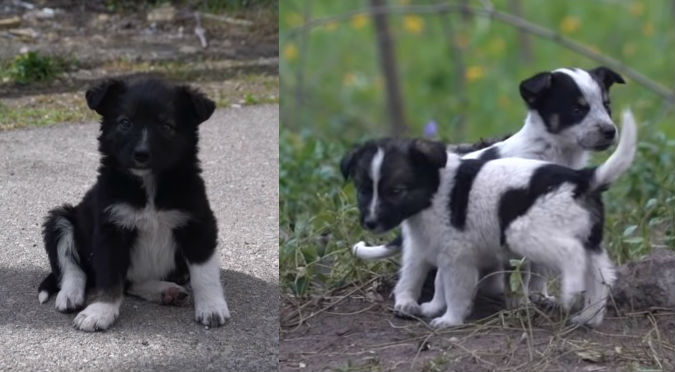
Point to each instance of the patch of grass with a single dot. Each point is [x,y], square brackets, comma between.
[42,114]
[34,67]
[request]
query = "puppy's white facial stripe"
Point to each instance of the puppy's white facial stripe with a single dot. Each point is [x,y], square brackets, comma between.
[591,90]
[375,173]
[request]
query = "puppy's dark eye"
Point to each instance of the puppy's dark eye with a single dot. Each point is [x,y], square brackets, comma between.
[578,109]
[397,191]
[124,124]
[168,128]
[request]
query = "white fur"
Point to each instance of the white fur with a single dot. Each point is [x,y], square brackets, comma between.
[73,279]
[372,252]
[210,305]
[622,158]
[153,254]
[98,316]
[375,168]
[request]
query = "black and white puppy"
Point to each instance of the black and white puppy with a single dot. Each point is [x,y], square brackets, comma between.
[146,225]
[569,116]
[465,215]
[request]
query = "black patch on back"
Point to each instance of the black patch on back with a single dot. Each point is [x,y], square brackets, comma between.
[459,195]
[545,179]
[490,154]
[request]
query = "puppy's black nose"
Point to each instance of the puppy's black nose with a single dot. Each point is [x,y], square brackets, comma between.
[370,223]
[141,156]
[608,131]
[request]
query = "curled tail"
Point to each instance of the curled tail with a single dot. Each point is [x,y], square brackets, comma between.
[56,230]
[369,252]
[622,157]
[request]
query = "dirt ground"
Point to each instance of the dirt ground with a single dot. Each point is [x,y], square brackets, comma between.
[238,67]
[357,331]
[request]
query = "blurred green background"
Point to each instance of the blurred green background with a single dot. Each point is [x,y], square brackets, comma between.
[461,72]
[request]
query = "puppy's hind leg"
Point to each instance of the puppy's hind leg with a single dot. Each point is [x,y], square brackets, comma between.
[60,245]
[599,279]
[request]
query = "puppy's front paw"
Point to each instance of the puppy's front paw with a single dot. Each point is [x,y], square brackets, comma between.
[69,299]
[212,313]
[431,309]
[357,247]
[406,308]
[98,316]
[176,296]
[445,322]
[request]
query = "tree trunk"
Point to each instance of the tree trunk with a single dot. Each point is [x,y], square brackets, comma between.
[388,64]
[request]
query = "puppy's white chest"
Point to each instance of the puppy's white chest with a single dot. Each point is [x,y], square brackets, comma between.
[153,253]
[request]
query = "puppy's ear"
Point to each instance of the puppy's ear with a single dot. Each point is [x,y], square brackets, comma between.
[100,96]
[349,161]
[201,108]
[532,88]
[607,76]
[429,152]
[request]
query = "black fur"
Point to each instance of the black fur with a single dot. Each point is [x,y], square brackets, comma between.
[459,195]
[490,154]
[516,202]
[170,116]
[464,148]
[409,176]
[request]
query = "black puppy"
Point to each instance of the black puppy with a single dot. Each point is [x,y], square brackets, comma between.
[146,224]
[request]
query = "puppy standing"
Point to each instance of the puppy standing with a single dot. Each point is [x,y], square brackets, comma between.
[465,215]
[146,223]
[568,116]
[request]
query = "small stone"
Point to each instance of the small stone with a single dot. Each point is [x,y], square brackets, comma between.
[10,22]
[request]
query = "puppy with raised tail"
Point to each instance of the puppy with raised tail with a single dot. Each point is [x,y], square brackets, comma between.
[466,215]
[568,117]
[145,227]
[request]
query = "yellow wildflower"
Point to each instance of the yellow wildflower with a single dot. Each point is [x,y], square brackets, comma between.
[330,26]
[636,8]
[413,24]
[294,19]
[349,79]
[474,73]
[648,29]
[629,49]
[290,52]
[461,40]
[569,24]
[359,21]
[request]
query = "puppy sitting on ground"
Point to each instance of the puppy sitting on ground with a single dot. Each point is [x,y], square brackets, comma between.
[568,117]
[146,225]
[466,215]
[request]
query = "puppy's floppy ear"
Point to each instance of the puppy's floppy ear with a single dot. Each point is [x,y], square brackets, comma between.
[430,152]
[607,76]
[349,161]
[532,88]
[100,96]
[201,107]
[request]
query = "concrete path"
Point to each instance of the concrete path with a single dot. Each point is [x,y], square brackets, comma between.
[43,167]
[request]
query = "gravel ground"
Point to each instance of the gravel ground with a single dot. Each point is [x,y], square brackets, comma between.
[44,167]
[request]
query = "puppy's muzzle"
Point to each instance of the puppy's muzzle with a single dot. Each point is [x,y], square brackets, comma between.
[141,157]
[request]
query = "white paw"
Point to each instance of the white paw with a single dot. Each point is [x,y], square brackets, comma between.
[357,246]
[212,313]
[515,301]
[407,307]
[69,299]
[445,322]
[98,316]
[431,309]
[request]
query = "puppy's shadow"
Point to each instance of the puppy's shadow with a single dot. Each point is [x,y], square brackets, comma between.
[253,303]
